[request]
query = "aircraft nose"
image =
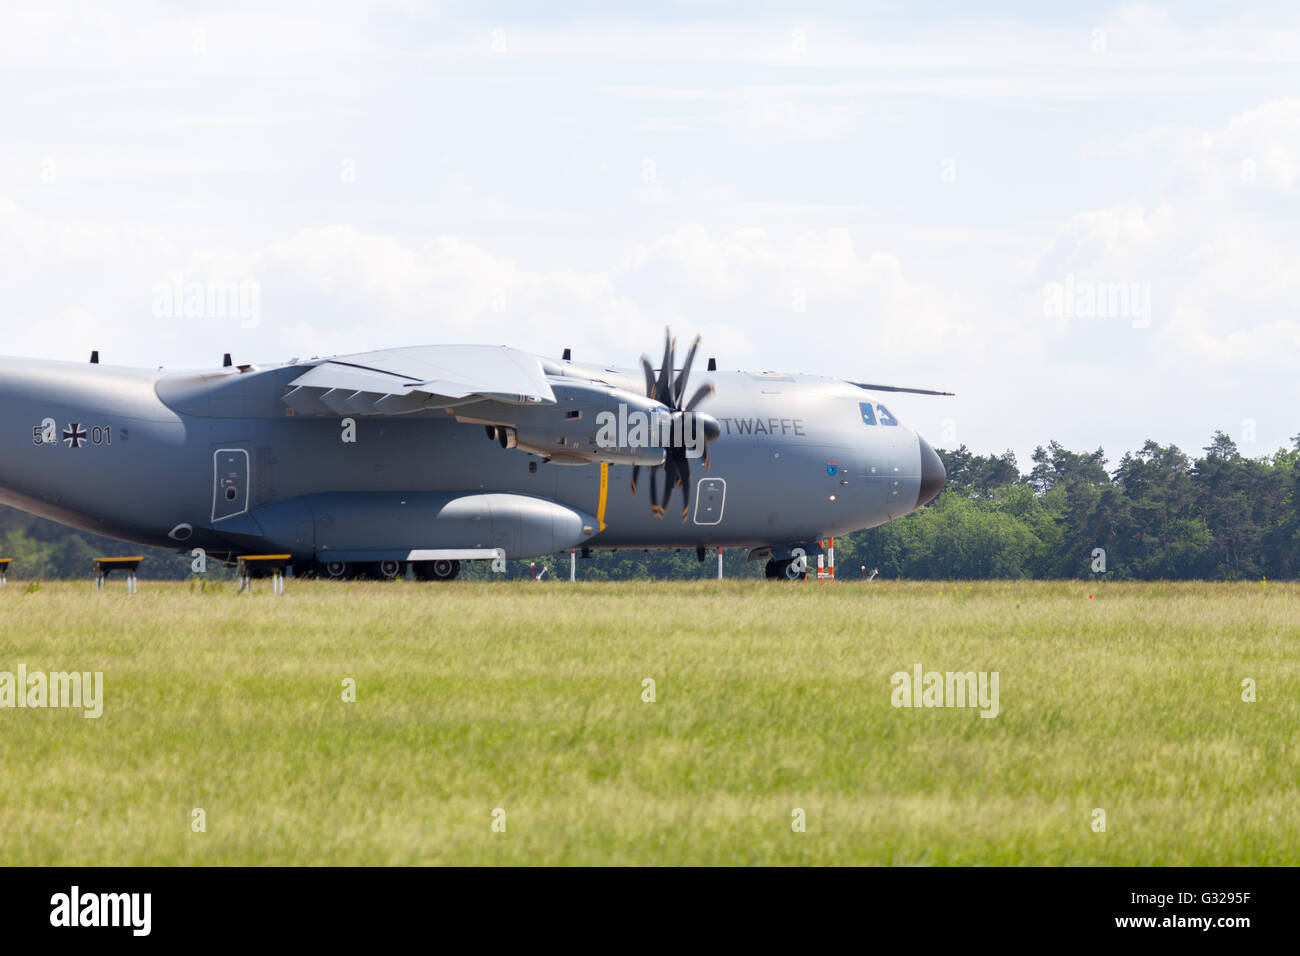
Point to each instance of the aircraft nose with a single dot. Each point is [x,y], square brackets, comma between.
[933,474]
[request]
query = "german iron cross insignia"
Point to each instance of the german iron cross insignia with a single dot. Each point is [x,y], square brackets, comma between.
[74,435]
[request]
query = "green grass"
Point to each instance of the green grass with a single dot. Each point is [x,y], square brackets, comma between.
[770,697]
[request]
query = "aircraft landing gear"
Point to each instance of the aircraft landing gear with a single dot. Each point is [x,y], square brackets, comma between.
[379,570]
[440,570]
[787,569]
[369,570]
[334,570]
[389,570]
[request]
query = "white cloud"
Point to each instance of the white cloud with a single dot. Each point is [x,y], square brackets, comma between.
[1258,149]
[311,46]
[1222,265]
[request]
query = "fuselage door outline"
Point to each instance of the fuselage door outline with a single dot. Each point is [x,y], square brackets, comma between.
[705,490]
[229,473]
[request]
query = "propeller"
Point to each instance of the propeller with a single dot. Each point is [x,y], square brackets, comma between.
[669,390]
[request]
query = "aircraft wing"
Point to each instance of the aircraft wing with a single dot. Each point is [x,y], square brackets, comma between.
[396,381]
[522,400]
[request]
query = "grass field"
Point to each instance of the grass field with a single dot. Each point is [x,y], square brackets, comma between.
[769,697]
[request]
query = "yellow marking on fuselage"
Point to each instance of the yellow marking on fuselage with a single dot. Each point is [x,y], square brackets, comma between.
[604,494]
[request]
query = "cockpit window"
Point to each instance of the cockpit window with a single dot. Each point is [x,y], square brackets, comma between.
[868,413]
[885,417]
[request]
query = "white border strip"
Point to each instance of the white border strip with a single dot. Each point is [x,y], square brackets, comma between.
[454,554]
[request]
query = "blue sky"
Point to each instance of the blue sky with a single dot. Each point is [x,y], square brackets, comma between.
[882,192]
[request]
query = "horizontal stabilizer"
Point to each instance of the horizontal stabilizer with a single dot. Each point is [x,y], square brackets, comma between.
[899,388]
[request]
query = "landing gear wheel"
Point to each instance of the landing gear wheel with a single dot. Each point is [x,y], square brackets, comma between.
[333,570]
[390,570]
[440,570]
[787,569]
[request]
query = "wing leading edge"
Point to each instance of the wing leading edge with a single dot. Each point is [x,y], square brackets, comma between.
[398,381]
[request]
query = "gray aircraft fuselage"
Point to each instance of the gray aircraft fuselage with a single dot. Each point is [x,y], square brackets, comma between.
[215,460]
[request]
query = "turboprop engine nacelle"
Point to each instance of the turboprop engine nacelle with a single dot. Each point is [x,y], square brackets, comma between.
[589,422]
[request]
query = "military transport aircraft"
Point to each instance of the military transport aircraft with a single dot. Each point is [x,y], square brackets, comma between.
[360,465]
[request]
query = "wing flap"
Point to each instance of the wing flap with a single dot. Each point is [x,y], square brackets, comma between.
[336,400]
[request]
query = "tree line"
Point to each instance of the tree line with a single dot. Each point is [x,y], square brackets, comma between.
[1158,515]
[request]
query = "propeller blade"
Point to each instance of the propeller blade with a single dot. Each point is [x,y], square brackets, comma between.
[670,481]
[672,378]
[684,476]
[669,389]
[662,388]
[679,387]
[703,392]
[649,377]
